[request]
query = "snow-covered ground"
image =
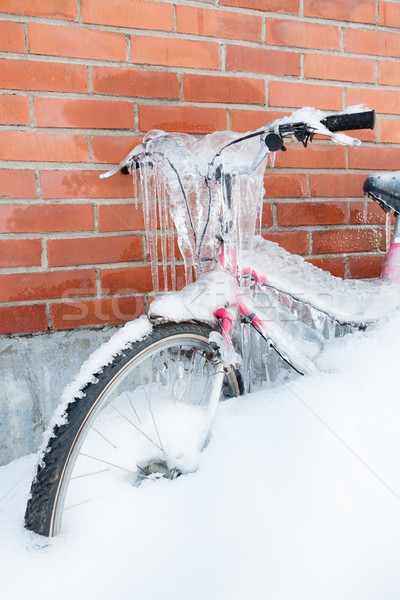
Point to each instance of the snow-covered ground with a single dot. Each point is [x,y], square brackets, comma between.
[297,498]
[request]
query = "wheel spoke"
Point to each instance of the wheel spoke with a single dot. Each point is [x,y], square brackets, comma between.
[135,426]
[89,474]
[106,462]
[133,408]
[104,437]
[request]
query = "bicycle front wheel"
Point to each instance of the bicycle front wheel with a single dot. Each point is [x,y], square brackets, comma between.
[146,415]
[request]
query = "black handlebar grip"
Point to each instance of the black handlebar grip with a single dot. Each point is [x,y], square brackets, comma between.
[350,121]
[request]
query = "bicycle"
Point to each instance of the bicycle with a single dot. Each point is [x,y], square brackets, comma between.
[251,314]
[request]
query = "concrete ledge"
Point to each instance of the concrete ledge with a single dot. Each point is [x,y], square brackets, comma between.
[33,373]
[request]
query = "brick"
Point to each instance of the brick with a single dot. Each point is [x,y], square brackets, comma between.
[33,146]
[90,251]
[365,266]
[383,237]
[295,242]
[22,319]
[344,240]
[186,119]
[339,185]
[340,68]
[33,218]
[335,266]
[299,34]
[42,286]
[174,52]
[358,11]
[365,135]
[249,120]
[76,42]
[136,14]
[296,95]
[389,72]
[105,311]
[262,60]
[12,37]
[112,149]
[56,9]
[389,131]
[267,217]
[130,82]
[287,6]
[65,112]
[42,76]
[312,213]
[120,217]
[216,23]
[383,101]
[282,185]
[380,43]
[234,90]
[126,280]
[15,183]
[374,158]
[20,253]
[317,156]
[389,14]
[14,110]
[375,214]
[84,184]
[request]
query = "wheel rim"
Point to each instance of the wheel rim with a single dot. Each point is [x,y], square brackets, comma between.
[150,420]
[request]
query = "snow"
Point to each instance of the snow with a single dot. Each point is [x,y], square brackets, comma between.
[297,496]
[198,300]
[347,300]
[313,117]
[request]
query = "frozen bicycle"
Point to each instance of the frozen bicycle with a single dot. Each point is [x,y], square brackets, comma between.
[250,314]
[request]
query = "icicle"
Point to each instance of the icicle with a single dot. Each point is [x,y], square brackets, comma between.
[260,207]
[188,273]
[174,187]
[259,218]
[150,219]
[135,186]
[365,208]
[246,355]
[272,158]
[163,216]
[171,248]
[387,230]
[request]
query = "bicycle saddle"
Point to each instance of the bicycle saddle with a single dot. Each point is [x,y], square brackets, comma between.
[385,189]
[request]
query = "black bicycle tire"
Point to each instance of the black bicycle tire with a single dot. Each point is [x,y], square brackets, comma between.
[45,489]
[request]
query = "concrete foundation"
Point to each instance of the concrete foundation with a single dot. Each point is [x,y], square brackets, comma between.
[33,373]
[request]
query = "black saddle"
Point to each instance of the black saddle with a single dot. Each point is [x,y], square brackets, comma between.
[385,189]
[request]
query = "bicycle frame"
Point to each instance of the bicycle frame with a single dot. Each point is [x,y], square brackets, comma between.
[245,311]
[391,263]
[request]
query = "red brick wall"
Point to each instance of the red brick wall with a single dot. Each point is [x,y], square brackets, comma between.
[82,80]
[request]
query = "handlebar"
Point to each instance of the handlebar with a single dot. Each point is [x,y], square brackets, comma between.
[350,121]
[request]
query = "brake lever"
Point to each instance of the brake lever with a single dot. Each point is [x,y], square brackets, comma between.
[304,135]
